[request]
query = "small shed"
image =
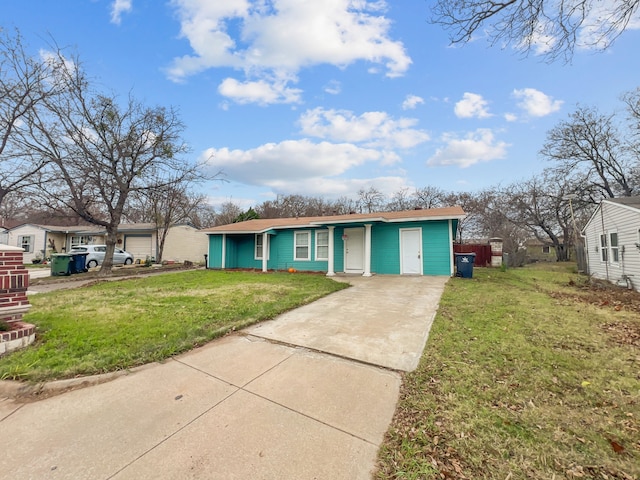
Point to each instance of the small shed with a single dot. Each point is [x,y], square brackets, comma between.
[612,241]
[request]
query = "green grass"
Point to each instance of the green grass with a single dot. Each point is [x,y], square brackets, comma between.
[120,324]
[518,380]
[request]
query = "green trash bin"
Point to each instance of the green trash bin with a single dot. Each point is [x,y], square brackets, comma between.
[61,264]
[464,264]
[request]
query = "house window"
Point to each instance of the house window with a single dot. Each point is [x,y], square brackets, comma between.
[81,240]
[26,242]
[322,245]
[615,250]
[259,244]
[546,249]
[604,249]
[302,245]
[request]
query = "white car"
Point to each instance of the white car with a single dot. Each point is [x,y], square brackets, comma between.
[96,255]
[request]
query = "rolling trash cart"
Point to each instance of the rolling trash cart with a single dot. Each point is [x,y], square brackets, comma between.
[464,264]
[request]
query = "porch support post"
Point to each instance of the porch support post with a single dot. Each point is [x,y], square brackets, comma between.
[367,250]
[223,262]
[330,272]
[451,267]
[265,250]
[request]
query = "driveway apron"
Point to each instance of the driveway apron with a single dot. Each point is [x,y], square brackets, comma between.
[299,397]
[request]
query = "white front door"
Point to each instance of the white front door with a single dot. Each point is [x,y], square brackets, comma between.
[353,250]
[411,251]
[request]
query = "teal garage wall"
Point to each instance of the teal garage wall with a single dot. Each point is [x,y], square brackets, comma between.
[436,253]
[215,251]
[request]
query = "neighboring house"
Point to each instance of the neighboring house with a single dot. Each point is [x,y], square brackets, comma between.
[538,251]
[4,236]
[612,237]
[415,242]
[183,242]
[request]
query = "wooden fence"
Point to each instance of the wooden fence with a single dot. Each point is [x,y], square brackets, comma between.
[482,251]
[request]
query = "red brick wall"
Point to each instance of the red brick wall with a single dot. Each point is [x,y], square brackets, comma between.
[14,281]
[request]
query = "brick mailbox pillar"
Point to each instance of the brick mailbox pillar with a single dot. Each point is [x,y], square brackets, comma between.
[496,251]
[14,281]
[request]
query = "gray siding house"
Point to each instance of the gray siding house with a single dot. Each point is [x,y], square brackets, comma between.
[612,241]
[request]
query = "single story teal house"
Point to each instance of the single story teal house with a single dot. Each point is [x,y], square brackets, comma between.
[410,242]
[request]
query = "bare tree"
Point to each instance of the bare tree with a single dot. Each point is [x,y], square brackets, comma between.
[554,28]
[100,151]
[370,200]
[401,200]
[589,149]
[467,227]
[165,207]
[539,206]
[429,197]
[25,82]
[227,213]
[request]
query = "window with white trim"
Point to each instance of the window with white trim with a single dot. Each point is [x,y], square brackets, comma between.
[259,246]
[26,242]
[604,248]
[613,245]
[81,240]
[322,244]
[301,245]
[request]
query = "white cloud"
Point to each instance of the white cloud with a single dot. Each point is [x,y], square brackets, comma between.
[475,147]
[372,129]
[510,117]
[536,103]
[338,187]
[118,7]
[333,87]
[280,37]
[411,102]
[260,92]
[472,105]
[290,161]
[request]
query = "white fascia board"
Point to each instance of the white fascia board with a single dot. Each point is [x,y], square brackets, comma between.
[349,220]
[426,219]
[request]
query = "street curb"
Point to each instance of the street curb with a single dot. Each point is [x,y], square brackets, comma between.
[27,392]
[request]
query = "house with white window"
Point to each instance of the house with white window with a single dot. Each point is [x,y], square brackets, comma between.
[182,242]
[612,241]
[411,242]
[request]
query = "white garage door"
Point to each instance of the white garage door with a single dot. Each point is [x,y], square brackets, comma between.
[139,246]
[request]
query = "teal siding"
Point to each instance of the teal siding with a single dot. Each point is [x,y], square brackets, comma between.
[215,251]
[338,247]
[436,248]
[385,248]
[282,252]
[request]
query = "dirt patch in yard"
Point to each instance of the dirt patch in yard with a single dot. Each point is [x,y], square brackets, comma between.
[606,295]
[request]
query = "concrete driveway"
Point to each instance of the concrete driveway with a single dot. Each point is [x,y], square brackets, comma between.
[281,400]
[382,320]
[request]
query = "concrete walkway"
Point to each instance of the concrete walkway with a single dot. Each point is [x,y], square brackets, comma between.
[267,403]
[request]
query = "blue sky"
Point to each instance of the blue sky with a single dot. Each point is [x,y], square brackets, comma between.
[324,98]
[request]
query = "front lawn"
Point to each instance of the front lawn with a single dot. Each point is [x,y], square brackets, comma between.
[530,373]
[120,324]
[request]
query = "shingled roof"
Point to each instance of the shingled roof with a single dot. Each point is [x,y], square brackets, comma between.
[265,224]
